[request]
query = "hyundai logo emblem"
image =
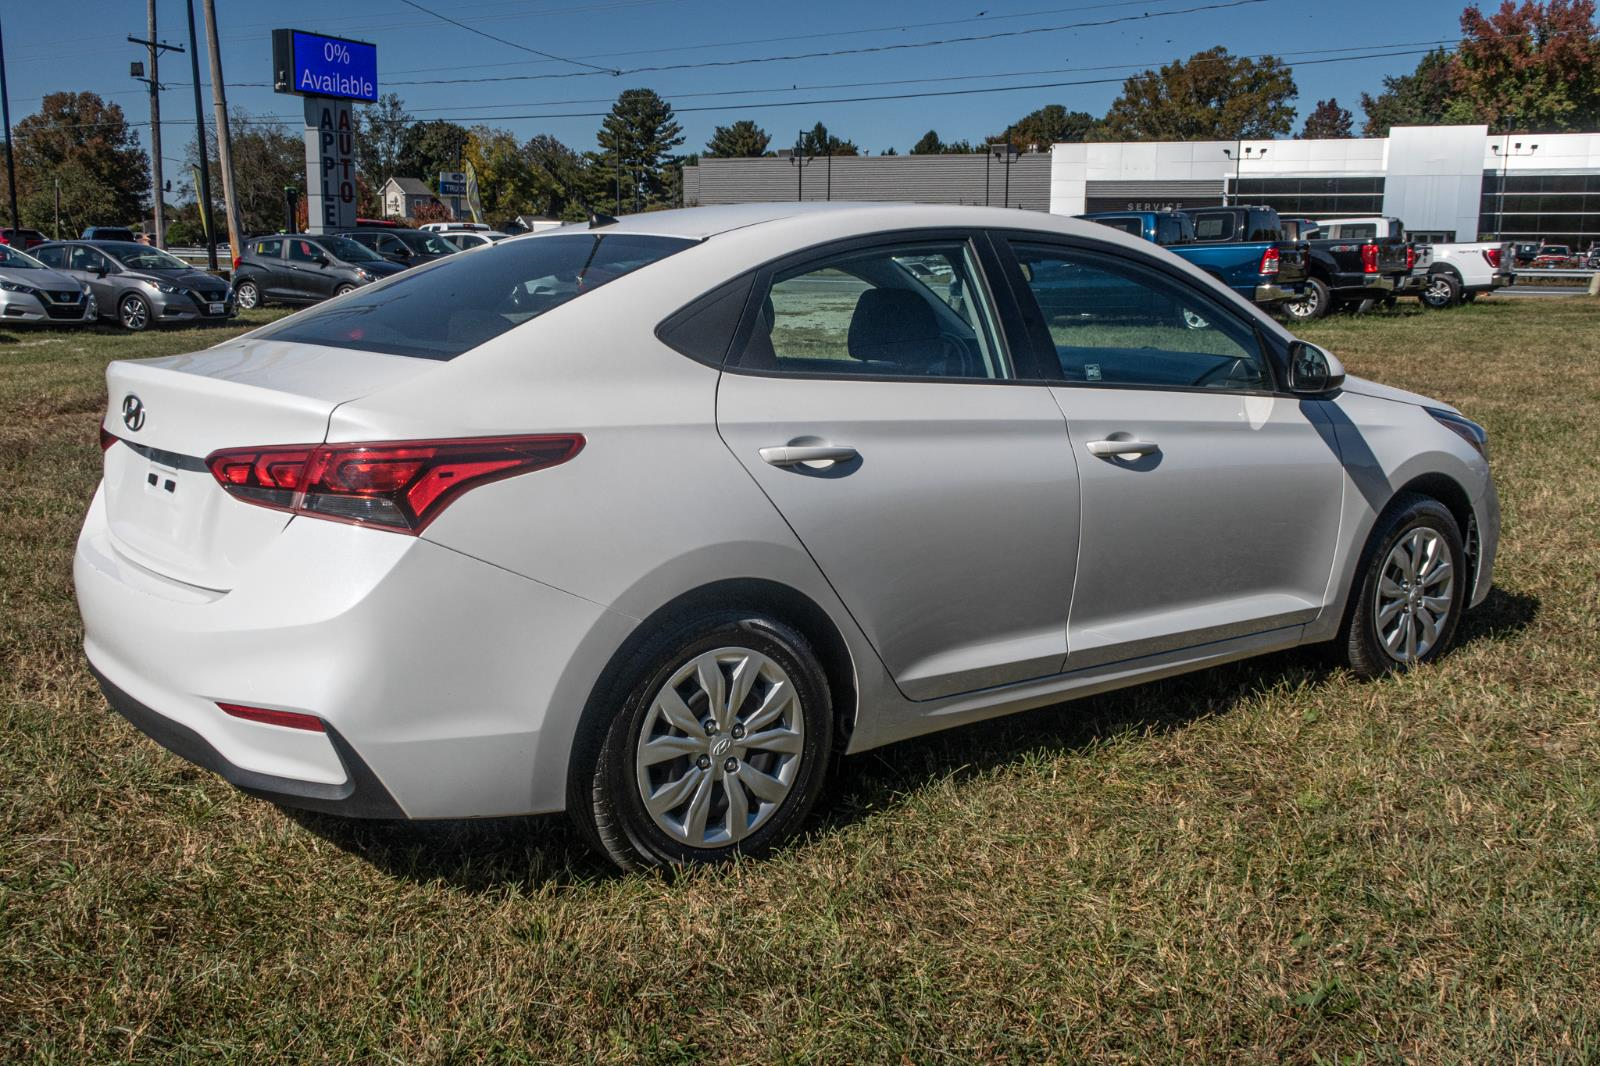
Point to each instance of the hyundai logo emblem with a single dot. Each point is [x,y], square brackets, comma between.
[133,412]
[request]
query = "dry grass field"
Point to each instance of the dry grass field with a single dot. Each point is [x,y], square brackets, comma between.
[1269,861]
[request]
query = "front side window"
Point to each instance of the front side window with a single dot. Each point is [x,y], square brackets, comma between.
[348,250]
[88,259]
[303,251]
[912,310]
[12,259]
[1111,322]
[444,311]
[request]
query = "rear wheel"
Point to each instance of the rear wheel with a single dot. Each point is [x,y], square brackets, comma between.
[1312,304]
[719,746]
[247,296]
[1443,290]
[1410,591]
[134,312]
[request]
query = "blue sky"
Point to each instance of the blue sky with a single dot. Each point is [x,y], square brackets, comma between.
[48,49]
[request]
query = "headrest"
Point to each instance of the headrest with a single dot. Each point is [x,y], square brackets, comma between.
[893,326]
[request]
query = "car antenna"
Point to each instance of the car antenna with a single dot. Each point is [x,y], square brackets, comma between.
[597,220]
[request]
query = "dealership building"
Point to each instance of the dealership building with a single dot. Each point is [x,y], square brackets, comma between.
[1445,182]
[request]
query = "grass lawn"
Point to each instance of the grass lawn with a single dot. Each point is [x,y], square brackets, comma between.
[1266,861]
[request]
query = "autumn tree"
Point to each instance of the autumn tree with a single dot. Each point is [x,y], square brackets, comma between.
[636,142]
[1328,121]
[267,158]
[1416,99]
[1212,95]
[507,184]
[381,132]
[1529,66]
[84,144]
[742,140]
[1051,124]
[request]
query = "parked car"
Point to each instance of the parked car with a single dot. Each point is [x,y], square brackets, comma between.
[302,268]
[1526,252]
[464,239]
[108,233]
[1455,271]
[408,247]
[25,239]
[1555,257]
[446,227]
[1266,271]
[1348,271]
[31,292]
[648,520]
[1244,248]
[139,286]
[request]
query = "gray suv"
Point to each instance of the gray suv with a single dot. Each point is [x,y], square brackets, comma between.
[138,285]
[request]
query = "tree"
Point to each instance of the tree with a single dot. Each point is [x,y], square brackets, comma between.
[1328,121]
[1532,66]
[636,140]
[507,184]
[929,144]
[569,188]
[429,147]
[1416,99]
[1051,124]
[84,143]
[742,140]
[381,132]
[267,158]
[432,211]
[1210,96]
[818,141]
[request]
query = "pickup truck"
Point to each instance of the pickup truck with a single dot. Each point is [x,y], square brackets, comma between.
[1349,270]
[1455,273]
[1242,247]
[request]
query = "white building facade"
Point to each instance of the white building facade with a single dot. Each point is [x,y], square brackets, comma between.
[1444,182]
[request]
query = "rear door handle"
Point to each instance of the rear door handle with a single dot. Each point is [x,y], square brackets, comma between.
[795,454]
[1123,447]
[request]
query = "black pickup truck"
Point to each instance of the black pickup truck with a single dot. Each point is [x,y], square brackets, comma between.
[1347,272]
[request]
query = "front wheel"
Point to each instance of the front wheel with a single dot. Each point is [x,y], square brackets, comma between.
[1410,592]
[1443,291]
[247,296]
[719,746]
[134,313]
[1311,305]
[343,290]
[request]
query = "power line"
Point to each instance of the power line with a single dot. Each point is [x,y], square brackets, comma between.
[502,40]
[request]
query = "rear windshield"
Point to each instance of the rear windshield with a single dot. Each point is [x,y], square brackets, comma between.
[442,311]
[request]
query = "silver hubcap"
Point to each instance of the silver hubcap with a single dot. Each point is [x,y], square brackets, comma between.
[246,296]
[1306,306]
[720,747]
[1193,321]
[134,314]
[1439,291]
[1415,594]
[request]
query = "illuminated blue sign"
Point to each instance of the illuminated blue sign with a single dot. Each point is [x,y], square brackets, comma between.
[309,64]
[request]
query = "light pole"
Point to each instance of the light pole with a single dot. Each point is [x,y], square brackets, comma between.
[799,160]
[1238,158]
[1505,150]
[1007,151]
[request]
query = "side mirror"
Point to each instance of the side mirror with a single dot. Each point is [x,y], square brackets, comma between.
[320,260]
[1313,371]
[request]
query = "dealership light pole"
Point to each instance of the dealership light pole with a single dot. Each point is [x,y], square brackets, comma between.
[799,160]
[1006,151]
[1238,158]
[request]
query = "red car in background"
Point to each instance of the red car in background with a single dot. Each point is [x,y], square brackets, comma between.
[1555,257]
[23,238]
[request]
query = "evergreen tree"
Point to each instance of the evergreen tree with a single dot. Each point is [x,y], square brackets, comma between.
[929,144]
[742,140]
[636,142]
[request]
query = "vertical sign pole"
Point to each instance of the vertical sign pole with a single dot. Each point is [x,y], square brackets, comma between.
[200,138]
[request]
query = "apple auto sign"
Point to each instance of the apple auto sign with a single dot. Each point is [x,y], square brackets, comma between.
[310,64]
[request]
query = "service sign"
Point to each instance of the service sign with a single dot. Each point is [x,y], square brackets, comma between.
[310,64]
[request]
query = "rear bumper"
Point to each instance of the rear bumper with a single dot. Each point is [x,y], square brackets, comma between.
[1273,292]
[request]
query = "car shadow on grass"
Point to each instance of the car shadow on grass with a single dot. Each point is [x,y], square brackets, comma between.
[496,853]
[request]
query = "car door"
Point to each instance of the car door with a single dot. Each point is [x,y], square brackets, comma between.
[307,275]
[1211,499]
[871,397]
[92,267]
[267,258]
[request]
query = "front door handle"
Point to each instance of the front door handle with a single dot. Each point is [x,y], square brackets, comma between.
[1123,447]
[795,454]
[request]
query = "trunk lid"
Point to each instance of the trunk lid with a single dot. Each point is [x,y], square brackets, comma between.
[165,510]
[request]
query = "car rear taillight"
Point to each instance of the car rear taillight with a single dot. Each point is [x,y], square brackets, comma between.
[1369,258]
[287,719]
[1492,255]
[235,264]
[1269,262]
[107,439]
[1411,256]
[396,485]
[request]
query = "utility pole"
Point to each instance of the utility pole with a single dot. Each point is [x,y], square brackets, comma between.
[219,98]
[206,221]
[158,185]
[5,114]
[1005,151]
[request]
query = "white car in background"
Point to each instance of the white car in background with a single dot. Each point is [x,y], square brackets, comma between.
[651,520]
[1455,272]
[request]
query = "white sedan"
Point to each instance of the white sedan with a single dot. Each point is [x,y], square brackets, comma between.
[650,520]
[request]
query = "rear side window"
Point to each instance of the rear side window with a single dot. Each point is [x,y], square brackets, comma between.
[1214,226]
[1126,225]
[1170,229]
[1358,231]
[444,311]
[53,257]
[1264,226]
[269,249]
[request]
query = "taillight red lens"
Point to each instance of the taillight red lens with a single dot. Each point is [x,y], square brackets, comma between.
[287,719]
[1369,258]
[399,485]
[107,439]
[1411,256]
[1269,261]
[1493,256]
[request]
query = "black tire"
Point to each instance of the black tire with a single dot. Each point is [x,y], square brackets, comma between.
[133,313]
[1442,291]
[247,296]
[605,793]
[1360,641]
[1312,305]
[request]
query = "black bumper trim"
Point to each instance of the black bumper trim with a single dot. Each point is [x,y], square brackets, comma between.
[361,796]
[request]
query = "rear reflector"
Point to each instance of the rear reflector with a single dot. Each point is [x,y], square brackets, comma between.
[286,719]
[107,439]
[396,485]
[1369,258]
[1269,262]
